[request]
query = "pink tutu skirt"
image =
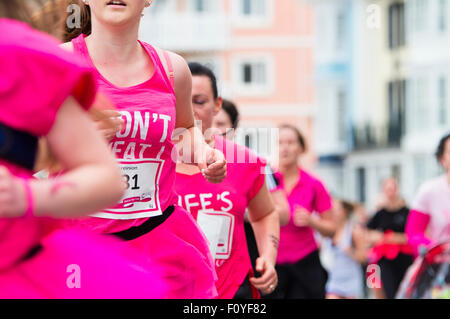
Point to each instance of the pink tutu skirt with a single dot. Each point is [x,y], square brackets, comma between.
[74,264]
[181,249]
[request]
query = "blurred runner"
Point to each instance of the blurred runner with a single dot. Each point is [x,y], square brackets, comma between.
[301,274]
[429,219]
[44,92]
[227,121]
[219,208]
[349,251]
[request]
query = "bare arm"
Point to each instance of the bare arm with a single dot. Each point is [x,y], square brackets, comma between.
[325,224]
[192,144]
[92,180]
[360,245]
[281,205]
[265,223]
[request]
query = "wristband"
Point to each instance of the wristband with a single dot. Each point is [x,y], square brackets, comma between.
[29,195]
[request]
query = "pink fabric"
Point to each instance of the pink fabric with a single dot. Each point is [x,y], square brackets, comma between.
[415,229]
[433,199]
[186,261]
[228,200]
[148,110]
[298,242]
[149,113]
[36,78]
[51,74]
[79,265]
[388,250]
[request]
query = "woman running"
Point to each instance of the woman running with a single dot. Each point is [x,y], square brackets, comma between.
[386,233]
[152,90]
[219,209]
[348,250]
[227,122]
[429,220]
[300,272]
[44,92]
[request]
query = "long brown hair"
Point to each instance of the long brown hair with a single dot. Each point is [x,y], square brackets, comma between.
[16,9]
[85,21]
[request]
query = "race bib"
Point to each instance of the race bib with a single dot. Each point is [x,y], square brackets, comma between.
[141,197]
[218,228]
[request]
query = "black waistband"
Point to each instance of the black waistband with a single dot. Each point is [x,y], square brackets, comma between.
[18,147]
[146,227]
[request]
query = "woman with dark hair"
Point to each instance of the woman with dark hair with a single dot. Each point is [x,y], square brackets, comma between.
[301,274]
[429,219]
[386,235]
[227,122]
[220,209]
[152,90]
[45,93]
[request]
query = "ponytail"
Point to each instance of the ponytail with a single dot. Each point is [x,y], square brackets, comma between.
[85,22]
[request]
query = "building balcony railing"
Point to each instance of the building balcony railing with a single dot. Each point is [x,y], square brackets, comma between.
[186,32]
[369,137]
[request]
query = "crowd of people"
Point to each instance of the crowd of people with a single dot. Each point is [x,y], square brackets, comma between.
[104,169]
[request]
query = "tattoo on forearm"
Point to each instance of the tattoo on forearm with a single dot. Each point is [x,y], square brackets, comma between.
[58,184]
[275,241]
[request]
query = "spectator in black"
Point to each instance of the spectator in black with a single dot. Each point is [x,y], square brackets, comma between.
[390,249]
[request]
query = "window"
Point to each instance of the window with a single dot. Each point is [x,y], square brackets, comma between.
[361,184]
[254,73]
[253,7]
[421,112]
[340,30]
[421,13]
[442,98]
[396,123]
[443,8]
[396,25]
[204,6]
[251,13]
[396,172]
[200,5]
[419,170]
[341,107]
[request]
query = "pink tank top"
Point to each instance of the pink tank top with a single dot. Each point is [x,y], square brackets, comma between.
[143,148]
[219,210]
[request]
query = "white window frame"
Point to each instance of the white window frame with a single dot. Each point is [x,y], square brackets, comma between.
[243,89]
[241,20]
[211,6]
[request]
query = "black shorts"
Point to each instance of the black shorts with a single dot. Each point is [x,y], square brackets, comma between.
[306,279]
[247,291]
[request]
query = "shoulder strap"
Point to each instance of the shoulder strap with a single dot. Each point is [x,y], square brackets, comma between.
[170,66]
[170,71]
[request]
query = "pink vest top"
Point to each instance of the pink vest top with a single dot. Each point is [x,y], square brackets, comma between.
[143,148]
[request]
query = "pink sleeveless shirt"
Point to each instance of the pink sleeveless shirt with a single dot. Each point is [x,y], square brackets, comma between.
[143,148]
[220,208]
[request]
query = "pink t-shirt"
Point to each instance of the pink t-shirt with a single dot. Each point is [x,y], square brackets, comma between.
[298,242]
[143,148]
[433,200]
[219,210]
[36,77]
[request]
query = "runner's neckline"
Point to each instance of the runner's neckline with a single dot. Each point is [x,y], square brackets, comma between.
[86,54]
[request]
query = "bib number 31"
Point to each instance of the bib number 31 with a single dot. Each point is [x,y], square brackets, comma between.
[141,180]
